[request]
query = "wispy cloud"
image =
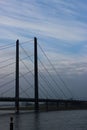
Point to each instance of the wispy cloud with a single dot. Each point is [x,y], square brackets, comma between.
[66,64]
[56,19]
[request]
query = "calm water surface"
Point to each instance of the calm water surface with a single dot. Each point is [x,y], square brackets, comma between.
[60,120]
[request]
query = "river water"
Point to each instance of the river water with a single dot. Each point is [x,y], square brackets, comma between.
[58,120]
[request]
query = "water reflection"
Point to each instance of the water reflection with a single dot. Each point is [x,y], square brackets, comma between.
[36,122]
[17,122]
[30,121]
[61,120]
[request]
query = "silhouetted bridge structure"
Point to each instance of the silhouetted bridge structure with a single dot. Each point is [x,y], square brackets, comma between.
[36,99]
[12,99]
[76,104]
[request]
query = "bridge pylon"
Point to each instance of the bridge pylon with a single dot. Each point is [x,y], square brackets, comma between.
[17,78]
[36,76]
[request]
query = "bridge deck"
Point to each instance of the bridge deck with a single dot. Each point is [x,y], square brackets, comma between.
[12,99]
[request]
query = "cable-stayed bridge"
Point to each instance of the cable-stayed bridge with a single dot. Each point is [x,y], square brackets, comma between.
[26,77]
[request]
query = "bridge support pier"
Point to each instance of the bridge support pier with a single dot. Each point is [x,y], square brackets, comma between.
[57,105]
[46,105]
[66,105]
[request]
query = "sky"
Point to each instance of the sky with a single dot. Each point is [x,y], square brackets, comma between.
[61,29]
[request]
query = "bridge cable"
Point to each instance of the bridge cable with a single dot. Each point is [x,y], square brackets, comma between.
[56,71]
[52,78]
[26,54]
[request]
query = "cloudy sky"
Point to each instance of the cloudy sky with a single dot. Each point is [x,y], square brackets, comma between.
[61,29]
